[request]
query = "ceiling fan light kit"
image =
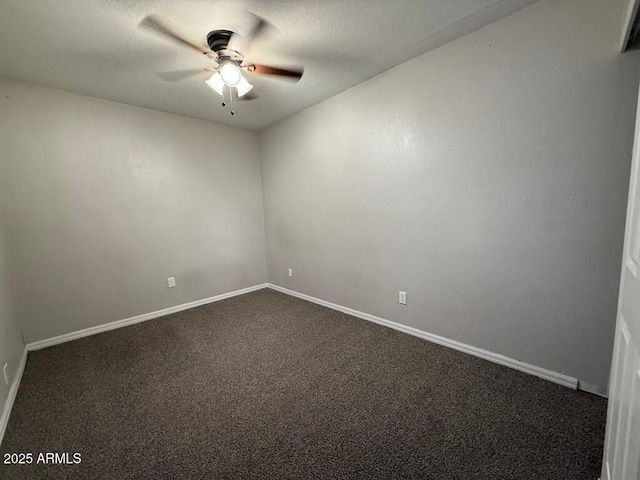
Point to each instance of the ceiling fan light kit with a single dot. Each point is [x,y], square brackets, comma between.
[216,83]
[243,87]
[230,73]
[224,46]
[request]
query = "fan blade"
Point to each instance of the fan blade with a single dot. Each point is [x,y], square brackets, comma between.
[178,75]
[265,70]
[156,25]
[241,43]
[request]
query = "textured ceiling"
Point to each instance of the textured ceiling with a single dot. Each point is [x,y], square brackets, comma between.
[95,47]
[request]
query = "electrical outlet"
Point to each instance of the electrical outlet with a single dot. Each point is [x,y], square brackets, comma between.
[171,281]
[290,272]
[402,298]
[5,371]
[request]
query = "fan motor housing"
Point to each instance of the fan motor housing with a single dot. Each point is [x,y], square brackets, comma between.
[219,39]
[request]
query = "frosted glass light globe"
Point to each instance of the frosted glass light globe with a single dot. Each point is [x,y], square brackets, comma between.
[230,74]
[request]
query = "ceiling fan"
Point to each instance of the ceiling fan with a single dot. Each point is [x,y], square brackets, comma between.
[224,47]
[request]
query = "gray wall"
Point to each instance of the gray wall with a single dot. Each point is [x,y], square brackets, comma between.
[487,178]
[104,201]
[11,346]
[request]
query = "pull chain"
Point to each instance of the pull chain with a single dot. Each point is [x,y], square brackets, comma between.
[224,104]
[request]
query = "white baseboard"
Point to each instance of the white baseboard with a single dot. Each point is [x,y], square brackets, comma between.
[67,337]
[478,352]
[592,389]
[13,391]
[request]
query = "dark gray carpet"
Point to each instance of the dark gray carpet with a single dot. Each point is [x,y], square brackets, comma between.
[269,386]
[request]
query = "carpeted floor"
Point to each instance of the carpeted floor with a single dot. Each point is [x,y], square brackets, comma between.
[269,386]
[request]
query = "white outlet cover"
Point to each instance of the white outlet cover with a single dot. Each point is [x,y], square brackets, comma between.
[402,298]
[291,272]
[5,371]
[171,281]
